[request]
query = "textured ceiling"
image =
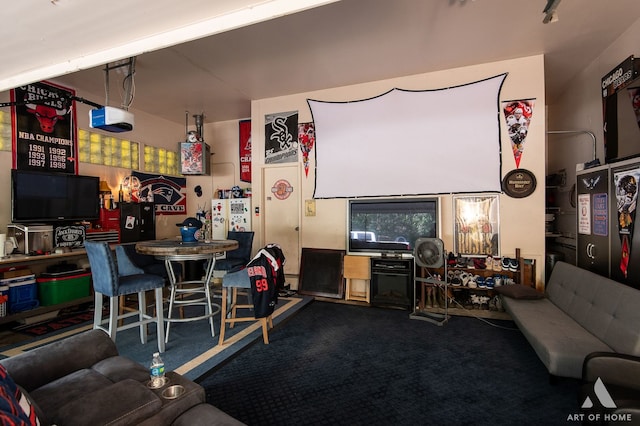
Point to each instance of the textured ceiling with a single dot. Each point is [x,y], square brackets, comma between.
[335,44]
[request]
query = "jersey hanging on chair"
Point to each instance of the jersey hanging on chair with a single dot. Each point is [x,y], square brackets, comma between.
[266,274]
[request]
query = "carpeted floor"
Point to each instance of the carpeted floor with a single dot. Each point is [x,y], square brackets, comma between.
[190,351]
[335,364]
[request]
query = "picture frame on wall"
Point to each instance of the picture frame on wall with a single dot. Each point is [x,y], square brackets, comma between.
[476,225]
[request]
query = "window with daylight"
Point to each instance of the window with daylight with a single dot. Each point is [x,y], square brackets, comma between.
[161,161]
[5,131]
[96,148]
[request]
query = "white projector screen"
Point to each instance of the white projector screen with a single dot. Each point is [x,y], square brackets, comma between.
[410,142]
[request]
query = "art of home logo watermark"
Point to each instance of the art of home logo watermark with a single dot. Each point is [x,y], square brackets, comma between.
[593,412]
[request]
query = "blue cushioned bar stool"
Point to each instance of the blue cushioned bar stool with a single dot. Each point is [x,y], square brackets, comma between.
[115,280]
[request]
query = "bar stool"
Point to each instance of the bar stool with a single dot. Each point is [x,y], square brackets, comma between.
[108,281]
[235,281]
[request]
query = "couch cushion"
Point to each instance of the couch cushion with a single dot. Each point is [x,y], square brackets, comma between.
[559,341]
[52,396]
[124,403]
[119,368]
[519,291]
[15,406]
[604,307]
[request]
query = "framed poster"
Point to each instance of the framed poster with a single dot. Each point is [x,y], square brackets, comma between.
[476,231]
[44,130]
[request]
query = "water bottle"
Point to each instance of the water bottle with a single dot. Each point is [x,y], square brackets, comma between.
[156,371]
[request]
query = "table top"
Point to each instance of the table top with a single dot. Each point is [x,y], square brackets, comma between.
[177,247]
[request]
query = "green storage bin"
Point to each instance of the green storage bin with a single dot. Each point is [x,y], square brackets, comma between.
[56,290]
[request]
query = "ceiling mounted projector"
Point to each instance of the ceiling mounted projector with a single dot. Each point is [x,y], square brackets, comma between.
[111,119]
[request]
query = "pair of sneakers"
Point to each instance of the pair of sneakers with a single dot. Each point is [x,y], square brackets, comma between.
[494,263]
[509,264]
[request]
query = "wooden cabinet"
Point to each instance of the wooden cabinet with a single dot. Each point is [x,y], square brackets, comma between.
[357,268]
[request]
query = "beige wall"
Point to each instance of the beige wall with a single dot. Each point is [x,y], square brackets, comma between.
[521,220]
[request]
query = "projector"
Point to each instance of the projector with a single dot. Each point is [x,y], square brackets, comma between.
[111,119]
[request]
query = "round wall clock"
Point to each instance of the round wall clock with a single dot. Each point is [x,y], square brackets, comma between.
[519,183]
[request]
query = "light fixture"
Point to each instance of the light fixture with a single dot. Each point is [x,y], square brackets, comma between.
[550,11]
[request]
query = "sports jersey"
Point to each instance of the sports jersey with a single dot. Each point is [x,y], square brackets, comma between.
[266,274]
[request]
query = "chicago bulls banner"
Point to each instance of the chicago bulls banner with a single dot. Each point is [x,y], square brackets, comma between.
[44,128]
[167,192]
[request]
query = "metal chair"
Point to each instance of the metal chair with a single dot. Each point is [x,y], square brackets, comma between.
[115,280]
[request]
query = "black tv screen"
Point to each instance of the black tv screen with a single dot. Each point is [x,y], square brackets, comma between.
[391,226]
[53,197]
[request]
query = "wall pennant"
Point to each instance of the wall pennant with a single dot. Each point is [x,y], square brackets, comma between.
[306,139]
[245,150]
[626,189]
[281,143]
[517,115]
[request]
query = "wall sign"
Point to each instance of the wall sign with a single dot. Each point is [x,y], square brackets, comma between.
[519,183]
[44,136]
[282,189]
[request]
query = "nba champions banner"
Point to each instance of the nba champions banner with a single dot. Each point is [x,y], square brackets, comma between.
[167,192]
[44,124]
[517,115]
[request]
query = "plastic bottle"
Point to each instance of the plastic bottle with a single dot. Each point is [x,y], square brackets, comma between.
[156,371]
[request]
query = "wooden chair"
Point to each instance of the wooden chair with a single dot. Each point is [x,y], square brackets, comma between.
[235,281]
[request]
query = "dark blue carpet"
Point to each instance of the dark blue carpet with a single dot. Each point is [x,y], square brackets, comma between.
[335,364]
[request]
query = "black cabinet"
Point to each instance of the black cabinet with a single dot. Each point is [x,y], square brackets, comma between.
[137,222]
[392,282]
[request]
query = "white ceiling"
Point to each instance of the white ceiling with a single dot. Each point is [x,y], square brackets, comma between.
[239,50]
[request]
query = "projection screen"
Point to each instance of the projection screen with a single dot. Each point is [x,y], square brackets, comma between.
[410,142]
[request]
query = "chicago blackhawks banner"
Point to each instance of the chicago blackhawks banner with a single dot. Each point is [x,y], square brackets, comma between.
[245,150]
[44,124]
[306,139]
[167,192]
[518,115]
[281,143]
[626,188]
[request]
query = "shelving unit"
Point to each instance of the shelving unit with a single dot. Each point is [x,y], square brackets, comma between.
[460,294]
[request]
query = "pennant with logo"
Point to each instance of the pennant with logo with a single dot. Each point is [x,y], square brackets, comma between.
[167,192]
[306,139]
[626,189]
[245,150]
[517,115]
[281,143]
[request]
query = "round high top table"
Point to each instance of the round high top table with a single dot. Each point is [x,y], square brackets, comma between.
[176,251]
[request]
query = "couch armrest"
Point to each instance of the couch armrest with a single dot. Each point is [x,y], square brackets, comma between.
[45,364]
[612,368]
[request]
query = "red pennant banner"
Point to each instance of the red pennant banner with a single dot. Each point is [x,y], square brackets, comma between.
[517,115]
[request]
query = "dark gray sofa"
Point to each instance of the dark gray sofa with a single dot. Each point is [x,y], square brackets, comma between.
[81,380]
[580,313]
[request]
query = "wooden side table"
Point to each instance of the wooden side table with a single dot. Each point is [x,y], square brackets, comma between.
[357,267]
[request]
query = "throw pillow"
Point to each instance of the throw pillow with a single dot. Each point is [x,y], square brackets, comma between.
[15,408]
[519,291]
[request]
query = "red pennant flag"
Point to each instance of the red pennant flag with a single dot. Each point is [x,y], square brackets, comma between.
[624,258]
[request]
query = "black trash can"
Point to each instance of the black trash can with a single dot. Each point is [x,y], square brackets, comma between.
[552,258]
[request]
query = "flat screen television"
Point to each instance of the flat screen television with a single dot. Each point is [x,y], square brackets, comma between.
[53,197]
[390,225]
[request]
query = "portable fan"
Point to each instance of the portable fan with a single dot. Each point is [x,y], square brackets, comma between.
[429,254]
